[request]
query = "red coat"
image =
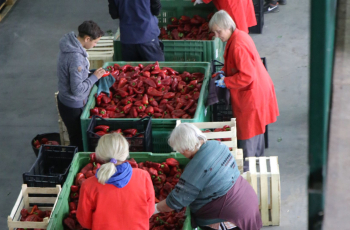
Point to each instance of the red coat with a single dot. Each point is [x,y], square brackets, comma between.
[104,207]
[253,97]
[241,11]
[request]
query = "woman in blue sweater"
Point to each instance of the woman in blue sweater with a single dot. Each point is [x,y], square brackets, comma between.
[211,185]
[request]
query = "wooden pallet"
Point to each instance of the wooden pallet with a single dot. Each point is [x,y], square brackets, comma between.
[237,153]
[27,202]
[62,127]
[264,177]
[6,7]
[101,53]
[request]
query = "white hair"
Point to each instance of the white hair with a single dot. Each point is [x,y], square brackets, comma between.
[222,20]
[186,137]
[110,146]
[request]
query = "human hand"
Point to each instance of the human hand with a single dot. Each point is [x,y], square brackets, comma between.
[99,73]
[221,82]
[155,209]
[198,2]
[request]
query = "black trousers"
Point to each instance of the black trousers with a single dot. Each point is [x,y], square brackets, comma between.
[71,118]
[149,51]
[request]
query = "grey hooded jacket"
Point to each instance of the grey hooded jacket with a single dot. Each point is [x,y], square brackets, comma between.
[74,82]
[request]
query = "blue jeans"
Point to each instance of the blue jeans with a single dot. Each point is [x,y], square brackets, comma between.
[149,51]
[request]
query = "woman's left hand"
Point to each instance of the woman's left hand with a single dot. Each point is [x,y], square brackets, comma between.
[221,82]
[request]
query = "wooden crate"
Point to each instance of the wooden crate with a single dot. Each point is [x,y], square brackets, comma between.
[6,7]
[264,177]
[27,202]
[62,127]
[237,153]
[101,53]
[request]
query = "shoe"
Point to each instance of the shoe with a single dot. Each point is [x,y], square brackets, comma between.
[268,8]
[282,2]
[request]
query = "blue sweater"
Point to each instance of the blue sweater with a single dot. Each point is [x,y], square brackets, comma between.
[209,175]
[137,23]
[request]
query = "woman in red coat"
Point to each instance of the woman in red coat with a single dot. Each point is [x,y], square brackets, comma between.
[118,197]
[241,11]
[253,97]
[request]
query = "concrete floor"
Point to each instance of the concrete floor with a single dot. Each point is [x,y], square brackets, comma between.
[29,38]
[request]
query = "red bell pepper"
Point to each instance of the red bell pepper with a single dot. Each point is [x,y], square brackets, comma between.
[104,128]
[189,104]
[153,172]
[127,108]
[130,131]
[146,74]
[94,111]
[172,162]
[185,18]
[111,108]
[145,99]
[164,167]
[150,82]
[140,108]
[74,195]
[169,95]
[86,168]
[110,68]
[174,21]
[158,115]
[192,84]
[226,128]
[178,112]
[153,92]
[122,93]
[72,206]
[122,82]
[140,90]
[158,110]
[218,130]
[74,188]
[125,68]
[170,108]
[69,223]
[127,100]
[133,112]
[89,174]
[186,116]
[175,34]
[149,110]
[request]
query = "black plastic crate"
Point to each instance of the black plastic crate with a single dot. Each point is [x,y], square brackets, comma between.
[49,136]
[51,167]
[223,112]
[136,143]
[259,14]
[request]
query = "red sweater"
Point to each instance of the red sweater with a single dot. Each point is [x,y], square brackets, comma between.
[108,207]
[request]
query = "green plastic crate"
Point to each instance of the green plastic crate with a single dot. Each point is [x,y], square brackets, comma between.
[195,50]
[80,160]
[202,114]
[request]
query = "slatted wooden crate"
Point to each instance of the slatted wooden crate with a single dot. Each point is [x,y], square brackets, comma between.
[264,177]
[237,153]
[24,200]
[62,128]
[5,7]
[101,53]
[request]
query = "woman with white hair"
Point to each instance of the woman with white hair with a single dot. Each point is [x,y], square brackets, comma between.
[118,197]
[211,185]
[253,98]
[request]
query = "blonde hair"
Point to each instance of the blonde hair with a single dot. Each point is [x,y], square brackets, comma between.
[110,146]
[222,20]
[186,137]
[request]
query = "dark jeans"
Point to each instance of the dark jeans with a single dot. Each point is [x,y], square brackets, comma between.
[71,118]
[149,51]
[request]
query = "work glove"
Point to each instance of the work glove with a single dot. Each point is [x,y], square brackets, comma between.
[155,209]
[198,2]
[221,82]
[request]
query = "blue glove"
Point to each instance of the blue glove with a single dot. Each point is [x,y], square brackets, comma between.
[222,72]
[221,82]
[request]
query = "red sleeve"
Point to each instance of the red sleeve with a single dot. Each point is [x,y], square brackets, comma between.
[150,195]
[85,208]
[246,70]
[207,1]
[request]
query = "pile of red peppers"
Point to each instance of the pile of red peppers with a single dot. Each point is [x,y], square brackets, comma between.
[186,28]
[141,91]
[224,128]
[44,141]
[35,215]
[164,177]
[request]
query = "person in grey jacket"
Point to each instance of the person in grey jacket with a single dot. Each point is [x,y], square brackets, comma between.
[74,78]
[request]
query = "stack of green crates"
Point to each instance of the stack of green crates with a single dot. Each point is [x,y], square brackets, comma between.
[181,50]
[161,128]
[79,161]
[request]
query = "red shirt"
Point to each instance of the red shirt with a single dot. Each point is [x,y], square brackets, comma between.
[253,97]
[104,207]
[241,11]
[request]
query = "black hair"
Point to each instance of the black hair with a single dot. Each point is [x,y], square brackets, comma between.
[91,29]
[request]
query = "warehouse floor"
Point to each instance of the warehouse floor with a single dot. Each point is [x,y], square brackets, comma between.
[28,53]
